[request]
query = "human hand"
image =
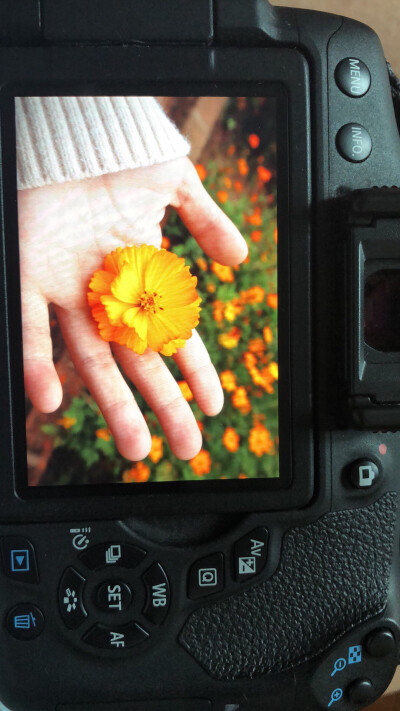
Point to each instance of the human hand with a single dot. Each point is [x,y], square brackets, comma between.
[65,230]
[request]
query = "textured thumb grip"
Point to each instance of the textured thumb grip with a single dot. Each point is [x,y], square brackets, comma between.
[333,574]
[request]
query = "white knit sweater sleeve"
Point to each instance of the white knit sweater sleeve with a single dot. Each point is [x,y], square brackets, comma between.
[70,138]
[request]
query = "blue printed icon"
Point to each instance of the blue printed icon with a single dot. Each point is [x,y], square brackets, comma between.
[335,696]
[24,622]
[339,665]
[20,561]
[355,654]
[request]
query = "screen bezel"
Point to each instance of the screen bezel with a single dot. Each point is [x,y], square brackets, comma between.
[246,73]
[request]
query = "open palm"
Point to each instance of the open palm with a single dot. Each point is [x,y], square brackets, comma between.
[65,232]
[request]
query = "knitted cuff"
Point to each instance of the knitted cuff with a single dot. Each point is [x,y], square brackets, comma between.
[70,138]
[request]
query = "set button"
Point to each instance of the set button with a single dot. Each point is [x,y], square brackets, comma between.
[353,77]
[114,596]
[19,559]
[120,555]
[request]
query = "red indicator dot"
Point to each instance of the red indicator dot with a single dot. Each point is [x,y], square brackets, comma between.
[382,449]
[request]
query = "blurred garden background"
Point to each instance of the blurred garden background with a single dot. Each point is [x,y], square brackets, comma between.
[234,149]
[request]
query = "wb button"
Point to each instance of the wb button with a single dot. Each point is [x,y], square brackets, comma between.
[364,474]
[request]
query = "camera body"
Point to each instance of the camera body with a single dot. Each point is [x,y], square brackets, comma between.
[286,596]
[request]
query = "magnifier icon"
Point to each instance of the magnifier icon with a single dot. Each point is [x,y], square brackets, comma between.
[339,666]
[336,696]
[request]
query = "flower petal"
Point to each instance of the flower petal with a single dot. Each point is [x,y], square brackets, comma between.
[115,309]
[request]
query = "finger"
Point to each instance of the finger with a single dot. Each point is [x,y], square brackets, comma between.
[42,384]
[161,391]
[208,224]
[197,369]
[93,360]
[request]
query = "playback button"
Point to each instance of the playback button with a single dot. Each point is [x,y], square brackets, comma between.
[19,560]
[251,553]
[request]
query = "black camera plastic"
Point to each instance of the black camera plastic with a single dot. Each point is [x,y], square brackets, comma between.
[317,626]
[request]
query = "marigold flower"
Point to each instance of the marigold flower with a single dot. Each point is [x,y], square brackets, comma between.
[232,309]
[273,370]
[243,476]
[256,235]
[165,242]
[200,425]
[156,450]
[202,264]
[223,272]
[218,310]
[249,360]
[257,346]
[231,150]
[222,196]
[260,441]
[254,140]
[230,339]
[264,174]
[211,288]
[272,300]
[185,390]
[201,171]
[139,473]
[104,433]
[276,235]
[201,463]
[238,186]
[268,335]
[241,401]
[243,166]
[145,297]
[254,295]
[66,422]
[231,439]
[255,219]
[228,381]
[227,182]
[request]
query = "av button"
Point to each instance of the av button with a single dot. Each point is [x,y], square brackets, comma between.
[354,143]
[364,474]
[113,638]
[352,77]
[114,596]
[251,554]
[25,622]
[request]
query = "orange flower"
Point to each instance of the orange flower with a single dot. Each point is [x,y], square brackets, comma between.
[231,150]
[201,463]
[243,166]
[257,346]
[222,195]
[185,390]
[228,381]
[254,197]
[260,441]
[104,433]
[267,333]
[255,219]
[241,401]
[231,440]
[145,297]
[254,295]
[202,264]
[250,360]
[201,171]
[254,140]
[232,309]
[139,473]
[264,174]
[165,242]
[272,300]
[223,273]
[256,235]
[276,235]
[156,450]
[273,370]
[227,182]
[242,476]
[231,339]
[238,186]
[200,425]
[218,310]
[66,422]
[211,288]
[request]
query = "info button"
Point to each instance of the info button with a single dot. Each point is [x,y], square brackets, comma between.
[206,576]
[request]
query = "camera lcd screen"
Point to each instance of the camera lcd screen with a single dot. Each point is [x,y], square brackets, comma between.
[125,207]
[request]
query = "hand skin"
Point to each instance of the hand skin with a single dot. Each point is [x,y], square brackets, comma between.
[65,230]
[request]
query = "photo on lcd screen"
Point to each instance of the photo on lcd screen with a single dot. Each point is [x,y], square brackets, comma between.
[108,299]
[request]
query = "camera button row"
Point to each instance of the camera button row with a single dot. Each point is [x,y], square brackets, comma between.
[353,77]
[104,555]
[354,143]
[70,598]
[114,638]
[19,559]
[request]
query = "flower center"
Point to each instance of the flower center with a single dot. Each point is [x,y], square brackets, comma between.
[150,301]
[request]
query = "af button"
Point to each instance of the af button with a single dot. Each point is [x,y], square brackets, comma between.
[364,474]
